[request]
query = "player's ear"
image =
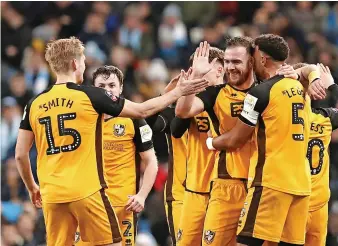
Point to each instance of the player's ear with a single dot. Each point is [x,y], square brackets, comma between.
[251,61]
[121,89]
[74,65]
[220,71]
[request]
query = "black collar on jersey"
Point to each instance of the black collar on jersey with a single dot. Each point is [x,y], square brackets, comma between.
[245,90]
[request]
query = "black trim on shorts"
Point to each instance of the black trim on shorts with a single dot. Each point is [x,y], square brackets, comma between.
[252,213]
[249,241]
[171,223]
[197,192]
[114,225]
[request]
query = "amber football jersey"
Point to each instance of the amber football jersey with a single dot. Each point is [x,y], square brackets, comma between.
[66,122]
[201,160]
[323,122]
[224,104]
[123,138]
[278,109]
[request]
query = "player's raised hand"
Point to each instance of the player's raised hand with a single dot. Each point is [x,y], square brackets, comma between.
[190,86]
[201,65]
[135,203]
[172,84]
[325,75]
[287,71]
[317,90]
[35,196]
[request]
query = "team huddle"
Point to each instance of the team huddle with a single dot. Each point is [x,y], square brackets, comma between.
[248,156]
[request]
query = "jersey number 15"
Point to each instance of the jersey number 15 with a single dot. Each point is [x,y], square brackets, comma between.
[52,149]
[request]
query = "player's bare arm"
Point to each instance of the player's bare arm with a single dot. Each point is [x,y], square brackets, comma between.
[190,106]
[233,139]
[152,106]
[23,146]
[136,202]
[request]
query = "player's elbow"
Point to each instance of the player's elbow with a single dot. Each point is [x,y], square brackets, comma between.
[20,155]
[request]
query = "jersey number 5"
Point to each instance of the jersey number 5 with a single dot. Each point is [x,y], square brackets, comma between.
[297,120]
[52,149]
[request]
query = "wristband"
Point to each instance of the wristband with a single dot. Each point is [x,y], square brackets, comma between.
[209,144]
[313,76]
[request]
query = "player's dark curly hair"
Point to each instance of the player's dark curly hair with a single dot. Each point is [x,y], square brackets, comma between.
[213,53]
[246,42]
[274,46]
[106,71]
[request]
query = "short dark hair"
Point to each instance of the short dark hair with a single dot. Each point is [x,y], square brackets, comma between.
[213,53]
[246,42]
[106,71]
[274,46]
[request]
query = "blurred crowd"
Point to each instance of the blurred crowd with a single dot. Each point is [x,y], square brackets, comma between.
[150,42]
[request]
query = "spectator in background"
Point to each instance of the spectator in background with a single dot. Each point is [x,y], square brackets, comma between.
[71,16]
[130,33]
[123,58]
[109,13]
[25,226]
[37,74]
[155,77]
[303,14]
[95,31]
[172,35]
[12,187]
[10,122]
[136,31]
[95,58]
[17,38]
[198,13]
[48,30]
[331,25]
[20,90]
[11,236]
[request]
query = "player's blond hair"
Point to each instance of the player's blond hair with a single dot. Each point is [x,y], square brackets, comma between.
[60,52]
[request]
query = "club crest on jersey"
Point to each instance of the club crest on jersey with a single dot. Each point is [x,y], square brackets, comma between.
[77,237]
[119,130]
[111,96]
[209,236]
[179,234]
